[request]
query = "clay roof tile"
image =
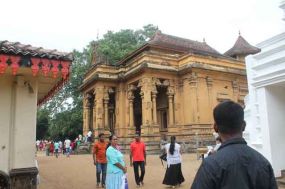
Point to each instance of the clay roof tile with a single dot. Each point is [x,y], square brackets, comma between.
[17,48]
[242,47]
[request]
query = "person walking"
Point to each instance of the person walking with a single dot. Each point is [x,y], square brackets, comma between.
[173,175]
[99,159]
[56,149]
[67,143]
[51,148]
[138,159]
[47,147]
[235,165]
[116,167]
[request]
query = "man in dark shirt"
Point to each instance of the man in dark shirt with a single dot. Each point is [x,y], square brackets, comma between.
[235,165]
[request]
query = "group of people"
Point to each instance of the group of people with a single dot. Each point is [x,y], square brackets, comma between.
[111,167]
[56,147]
[231,165]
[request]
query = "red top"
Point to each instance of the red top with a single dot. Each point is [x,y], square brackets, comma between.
[99,149]
[137,150]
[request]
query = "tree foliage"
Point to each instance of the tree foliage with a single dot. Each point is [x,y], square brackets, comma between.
[115,45]
[62,116]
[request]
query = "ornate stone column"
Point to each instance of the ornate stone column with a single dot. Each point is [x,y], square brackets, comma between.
[146,84]
[155,82]
[86,116]
[153,96]
[99,108]
[235,90]
[131,108]
[106,108]
[209,82]
[94,112]
[170,94]
[193,81]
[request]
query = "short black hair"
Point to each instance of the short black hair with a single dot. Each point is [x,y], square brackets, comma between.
[101,134]
[229,117]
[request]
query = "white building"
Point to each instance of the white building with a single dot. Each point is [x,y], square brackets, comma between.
[265,104]
[28,77]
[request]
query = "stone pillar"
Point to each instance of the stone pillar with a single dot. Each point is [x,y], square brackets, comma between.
[94,113]
[146,84]
[235,90]
[131,108]
[106,111]
[154,111]
[193,81]
[170,94]
[99,108]
[209,82]
[86,113]
[121,125]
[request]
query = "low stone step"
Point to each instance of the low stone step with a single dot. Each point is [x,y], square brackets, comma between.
[281,181]
[283,173]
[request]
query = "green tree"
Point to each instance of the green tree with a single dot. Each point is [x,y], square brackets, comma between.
[43,121]
[115,45]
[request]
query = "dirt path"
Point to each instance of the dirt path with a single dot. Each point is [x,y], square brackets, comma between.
[78,172]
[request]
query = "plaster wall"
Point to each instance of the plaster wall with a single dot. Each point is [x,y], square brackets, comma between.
[18,122]
[5,121]
[276,119]
[265,107]
[25,123]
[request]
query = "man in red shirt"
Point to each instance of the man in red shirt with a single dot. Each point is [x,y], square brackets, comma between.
[138,159]
[100,161]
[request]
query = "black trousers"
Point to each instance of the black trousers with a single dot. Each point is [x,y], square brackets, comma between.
[137,164]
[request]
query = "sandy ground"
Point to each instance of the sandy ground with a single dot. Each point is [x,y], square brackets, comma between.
[78,172]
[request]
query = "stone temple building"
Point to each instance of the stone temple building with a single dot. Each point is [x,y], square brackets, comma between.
[168,86]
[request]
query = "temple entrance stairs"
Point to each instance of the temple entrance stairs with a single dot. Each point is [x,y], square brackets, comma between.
[281,180]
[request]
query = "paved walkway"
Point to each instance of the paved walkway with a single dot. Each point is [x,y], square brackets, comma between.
[78,172]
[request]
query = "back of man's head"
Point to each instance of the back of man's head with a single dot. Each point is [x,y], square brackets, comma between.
[229,117]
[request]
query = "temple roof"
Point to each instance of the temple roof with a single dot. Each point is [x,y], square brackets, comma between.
[181,44]
[17,48]
[242,47]
[170,42]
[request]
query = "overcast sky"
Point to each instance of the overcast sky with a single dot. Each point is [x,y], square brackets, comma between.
[68,24]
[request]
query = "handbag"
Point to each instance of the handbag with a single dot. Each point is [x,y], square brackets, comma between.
[124,182]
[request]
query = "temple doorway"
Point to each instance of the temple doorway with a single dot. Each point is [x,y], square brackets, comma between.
[112,116]
[162,108]
[137,111]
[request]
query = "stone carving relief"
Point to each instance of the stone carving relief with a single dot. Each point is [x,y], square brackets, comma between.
[193,79]
[209,81]
[235,86]
[170,90]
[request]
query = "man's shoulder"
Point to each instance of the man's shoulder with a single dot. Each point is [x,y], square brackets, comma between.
[257,156]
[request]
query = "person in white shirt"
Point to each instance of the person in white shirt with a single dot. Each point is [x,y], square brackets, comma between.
[89,136]
[173,175]
[38,144]
[67,143]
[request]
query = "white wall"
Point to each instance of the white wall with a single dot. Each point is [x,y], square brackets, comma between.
[5,112]
[276,123]
[18,108]
[25,123]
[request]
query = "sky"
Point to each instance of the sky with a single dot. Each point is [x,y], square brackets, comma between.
[71,24]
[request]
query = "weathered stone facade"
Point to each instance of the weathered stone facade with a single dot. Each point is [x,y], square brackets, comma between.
[168,86]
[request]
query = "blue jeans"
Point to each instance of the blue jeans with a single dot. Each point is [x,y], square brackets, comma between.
[101,168]
[67,151]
